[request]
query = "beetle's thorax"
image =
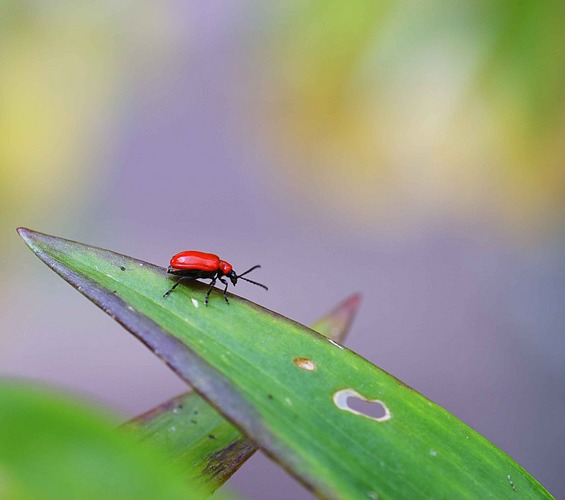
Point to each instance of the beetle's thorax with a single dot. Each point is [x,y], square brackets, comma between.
[225,267]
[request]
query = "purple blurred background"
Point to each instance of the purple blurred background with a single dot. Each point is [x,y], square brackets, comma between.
[412,153]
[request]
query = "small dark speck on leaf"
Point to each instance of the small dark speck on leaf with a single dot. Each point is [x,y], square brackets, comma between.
[115,291]
[270,396]
[193,421]
[211,436]
[196,412]
[122,268]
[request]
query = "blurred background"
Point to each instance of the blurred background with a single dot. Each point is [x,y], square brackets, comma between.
[409,151]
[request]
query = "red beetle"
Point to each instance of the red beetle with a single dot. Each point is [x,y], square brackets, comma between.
[192,265]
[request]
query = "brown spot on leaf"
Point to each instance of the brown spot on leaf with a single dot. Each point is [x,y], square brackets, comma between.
[305,364]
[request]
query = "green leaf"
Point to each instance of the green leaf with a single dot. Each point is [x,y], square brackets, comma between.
[53,448]
[291,390]
[200,438]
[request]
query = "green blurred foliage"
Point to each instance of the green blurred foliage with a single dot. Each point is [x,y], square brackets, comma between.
[405,110]
[408,111]
[52,448]
[527,60]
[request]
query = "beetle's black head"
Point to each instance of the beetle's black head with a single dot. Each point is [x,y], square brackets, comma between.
[233,277]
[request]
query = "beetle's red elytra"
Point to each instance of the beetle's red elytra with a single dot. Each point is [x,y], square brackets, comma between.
[192,265]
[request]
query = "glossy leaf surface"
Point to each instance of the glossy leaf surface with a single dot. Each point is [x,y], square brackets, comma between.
[206,444]
[291,390]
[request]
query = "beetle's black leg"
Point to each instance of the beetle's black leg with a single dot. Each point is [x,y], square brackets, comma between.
[212,283]
[182,278]
[166,294]
[225,289]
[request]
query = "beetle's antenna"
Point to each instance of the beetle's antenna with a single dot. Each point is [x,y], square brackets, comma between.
[254,282]
[248,271]
[250,281]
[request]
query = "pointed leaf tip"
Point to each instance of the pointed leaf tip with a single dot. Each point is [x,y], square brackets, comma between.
[23,232]
[30,237]
[337,322]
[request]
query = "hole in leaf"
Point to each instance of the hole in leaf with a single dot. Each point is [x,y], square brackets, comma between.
[374,409]
[351,401]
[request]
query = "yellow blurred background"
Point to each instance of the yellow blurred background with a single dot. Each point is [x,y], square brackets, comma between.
[408,111]
[411,151]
